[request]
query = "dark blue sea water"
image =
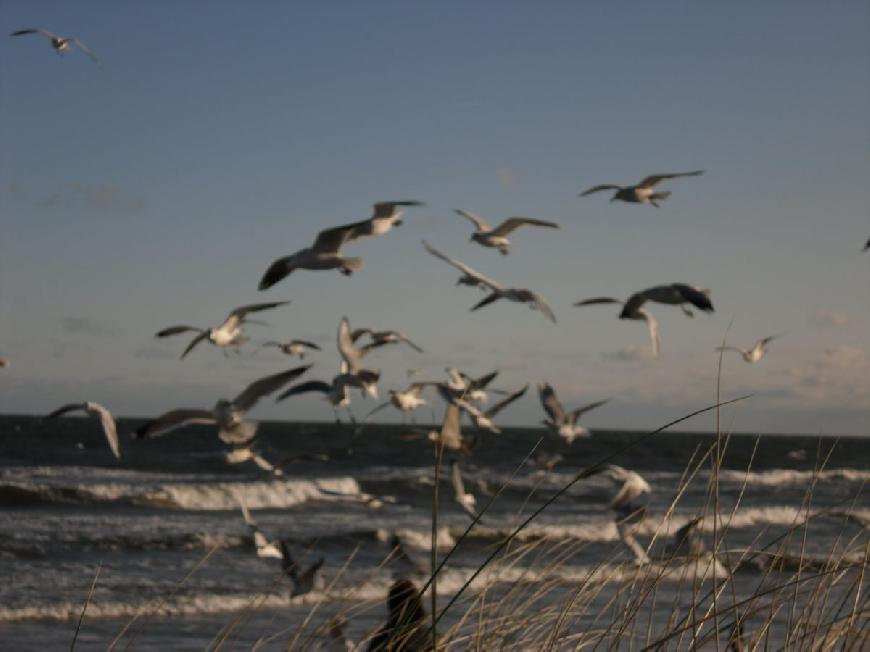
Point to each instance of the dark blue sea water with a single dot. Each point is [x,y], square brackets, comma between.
[68,507]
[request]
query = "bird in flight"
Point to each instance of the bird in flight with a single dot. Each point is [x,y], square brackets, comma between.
[59,43]
[496,237]
[107,421]
[753,354]
[228,334]
[643,192]
[560,422]
[293,347]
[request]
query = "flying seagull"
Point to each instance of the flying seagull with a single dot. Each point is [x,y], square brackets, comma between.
[465,500]
[228,334]
[382,338]
[95,410]
[264,547]
[754,354]
[465,386]
[686,542]
[450,434]
[675,294]
[59,43]
[637,314]
[642,193]
[406,402]
[325,253]
[629,503]
[470,277]
[560,422]
[294,347]
[337,391]
[387,214]
[487,236]
[303,578]
[481,418]
[229,417]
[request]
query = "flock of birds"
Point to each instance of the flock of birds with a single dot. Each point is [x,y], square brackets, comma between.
[462,394]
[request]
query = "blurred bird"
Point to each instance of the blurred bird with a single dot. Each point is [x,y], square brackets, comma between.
[675,294]
[304,579]
[294,347]
[107,421]
[753,354]
[629,504]
[382,338]
[470,277]
[59,43]
[642,193]
[263,546]
[406,402]
[686,542]
[560,422]
[465,500]
[637,313]
[228,334]
[496,237]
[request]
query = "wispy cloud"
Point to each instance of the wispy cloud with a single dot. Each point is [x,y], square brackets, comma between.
[826,317]
[86,326]
[80,194]
[506,178]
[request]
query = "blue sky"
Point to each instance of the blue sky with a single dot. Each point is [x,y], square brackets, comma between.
[156,187]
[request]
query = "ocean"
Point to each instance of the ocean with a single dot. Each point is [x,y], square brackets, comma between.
[178,569]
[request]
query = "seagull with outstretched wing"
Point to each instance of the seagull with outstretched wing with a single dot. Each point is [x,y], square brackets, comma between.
[107,421]
[756,352]
[560,422]
[59,43]
[642,193]
[496,237]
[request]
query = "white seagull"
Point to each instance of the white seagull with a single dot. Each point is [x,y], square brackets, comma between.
[755,353]
[293,347]
[95,410]
[387,214]
[481,418]
[642,193]
[465,500]
[59,43]
[228,334]
[629,503]
[229,416]
[497,291]
[560,422]
[637,314]
[264,547]
[337,391]
[465,386]
[406,402]
[497,237]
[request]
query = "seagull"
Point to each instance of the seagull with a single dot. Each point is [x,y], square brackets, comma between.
[470,277]
[497,237]
[545,461]
[265,548]
[675,294]
[754,354]
[293,347]
[450,435]
[233,429]
[632,487]
[406,401]
[59,43]
[562,423]
[466,500]
[465,386]
[323,254]
[95,410]
[228,334]
[686,542]
[382,338]
[482,419]
[387,214]
[519,295]
[637,314]
[642,193]
[336,392]
[303,578]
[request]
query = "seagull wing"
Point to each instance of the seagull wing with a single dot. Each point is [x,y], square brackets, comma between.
[172,420]
[514,223]
[605,186]
[451,428]
[479,383]
[331,240]
[498,407]
[44,32]
[596,301]
[308,386]
[175,330]
[495,296]
[84,49]
[264,386]
[634,303]
[69,407]
[108,423]
[766,340]
[387,208]
[357,333]
[238,315]
[407,341]
[462,267]
[287,564]
[576,413]
[653,179]
[479,223]
[542,305]
[348,351]
[306,343]
[456,478]
[550,403]
[196,340]
[696,296]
